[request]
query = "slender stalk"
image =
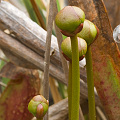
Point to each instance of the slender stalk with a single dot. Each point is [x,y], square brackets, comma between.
[75,79]
[39,16]
[70,90]
[90,82]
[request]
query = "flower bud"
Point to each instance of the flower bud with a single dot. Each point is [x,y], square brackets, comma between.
[67,50]
[70,20]
[38,106]
[89,32]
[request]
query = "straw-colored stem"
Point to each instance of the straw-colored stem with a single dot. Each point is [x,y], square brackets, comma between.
[90,82]
[38,14]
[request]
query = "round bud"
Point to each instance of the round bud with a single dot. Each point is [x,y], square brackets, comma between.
[67,50]
[89,32]
[70,20]
[38,106]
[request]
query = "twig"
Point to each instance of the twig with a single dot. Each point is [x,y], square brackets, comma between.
[59,40]
[81,116]
[47,53]
[37,12]
[101,113]
[2,84]
[3,59]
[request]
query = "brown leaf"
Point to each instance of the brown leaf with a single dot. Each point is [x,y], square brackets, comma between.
[24,84]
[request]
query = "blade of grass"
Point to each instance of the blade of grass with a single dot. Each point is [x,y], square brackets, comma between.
[58,5]
[61,89]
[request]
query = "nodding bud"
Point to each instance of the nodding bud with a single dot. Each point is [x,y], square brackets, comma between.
[38,106]
[70,20]
[67,50]
[89,32]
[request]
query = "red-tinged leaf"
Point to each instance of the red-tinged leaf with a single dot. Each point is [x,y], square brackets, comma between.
[24,84]
[107,82]
[106,57]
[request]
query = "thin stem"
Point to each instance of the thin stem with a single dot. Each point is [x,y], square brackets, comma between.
[70,90]
[90,82]
[39,16]
[75,79]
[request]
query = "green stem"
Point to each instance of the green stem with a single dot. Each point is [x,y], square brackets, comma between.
[90,82]
[70,90]
[75,79]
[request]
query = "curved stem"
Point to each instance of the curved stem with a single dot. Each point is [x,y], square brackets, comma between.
[90,82]
[75,79]
[70,90]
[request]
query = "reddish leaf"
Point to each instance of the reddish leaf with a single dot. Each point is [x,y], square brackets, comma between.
[24,84]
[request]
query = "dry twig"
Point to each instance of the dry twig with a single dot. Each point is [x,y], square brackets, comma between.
[47,52]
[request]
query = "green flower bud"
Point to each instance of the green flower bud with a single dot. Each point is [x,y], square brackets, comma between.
[89,32]
[38,106]
[67,50]
[70,20]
